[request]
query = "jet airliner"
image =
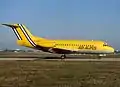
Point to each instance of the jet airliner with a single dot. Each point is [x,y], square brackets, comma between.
[63,47]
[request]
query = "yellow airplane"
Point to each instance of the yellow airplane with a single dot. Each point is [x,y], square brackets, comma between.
[63,47]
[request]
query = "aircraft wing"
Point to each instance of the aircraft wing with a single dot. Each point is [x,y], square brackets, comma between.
[54,50]
[61,50]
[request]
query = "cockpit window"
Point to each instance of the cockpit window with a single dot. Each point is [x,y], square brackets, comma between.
[105,44]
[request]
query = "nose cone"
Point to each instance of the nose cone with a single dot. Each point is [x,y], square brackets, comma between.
[112,50]
[109,49]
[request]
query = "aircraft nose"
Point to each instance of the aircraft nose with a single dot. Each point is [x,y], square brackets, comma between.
[112,50]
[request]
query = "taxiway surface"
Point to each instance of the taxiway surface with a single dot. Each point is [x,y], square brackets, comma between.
[71,59]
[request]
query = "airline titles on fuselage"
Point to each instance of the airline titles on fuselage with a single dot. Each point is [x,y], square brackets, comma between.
[90,47]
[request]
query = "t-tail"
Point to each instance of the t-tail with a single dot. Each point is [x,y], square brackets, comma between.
[25,38]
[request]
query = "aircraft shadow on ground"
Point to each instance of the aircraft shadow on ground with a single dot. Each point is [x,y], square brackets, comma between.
[65,58]
[51,57]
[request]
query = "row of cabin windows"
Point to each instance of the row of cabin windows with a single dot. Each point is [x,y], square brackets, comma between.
[72,45]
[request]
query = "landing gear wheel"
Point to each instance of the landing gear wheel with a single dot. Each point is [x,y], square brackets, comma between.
[99,57]
[63,56]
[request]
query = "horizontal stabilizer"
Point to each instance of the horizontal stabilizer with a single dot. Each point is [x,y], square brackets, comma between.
[10,25]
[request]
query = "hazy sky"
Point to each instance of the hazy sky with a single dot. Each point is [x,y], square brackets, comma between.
[62,19]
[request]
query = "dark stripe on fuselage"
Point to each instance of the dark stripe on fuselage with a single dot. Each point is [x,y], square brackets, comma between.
[31,41]
[16,33]
[26,35]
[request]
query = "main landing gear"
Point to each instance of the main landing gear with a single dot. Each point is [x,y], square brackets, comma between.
[101,55]
[63,56]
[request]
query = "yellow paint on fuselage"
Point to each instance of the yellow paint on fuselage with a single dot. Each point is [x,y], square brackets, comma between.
[73,45]
[82,45]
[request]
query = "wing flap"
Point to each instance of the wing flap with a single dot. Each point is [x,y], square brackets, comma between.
[62,51]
